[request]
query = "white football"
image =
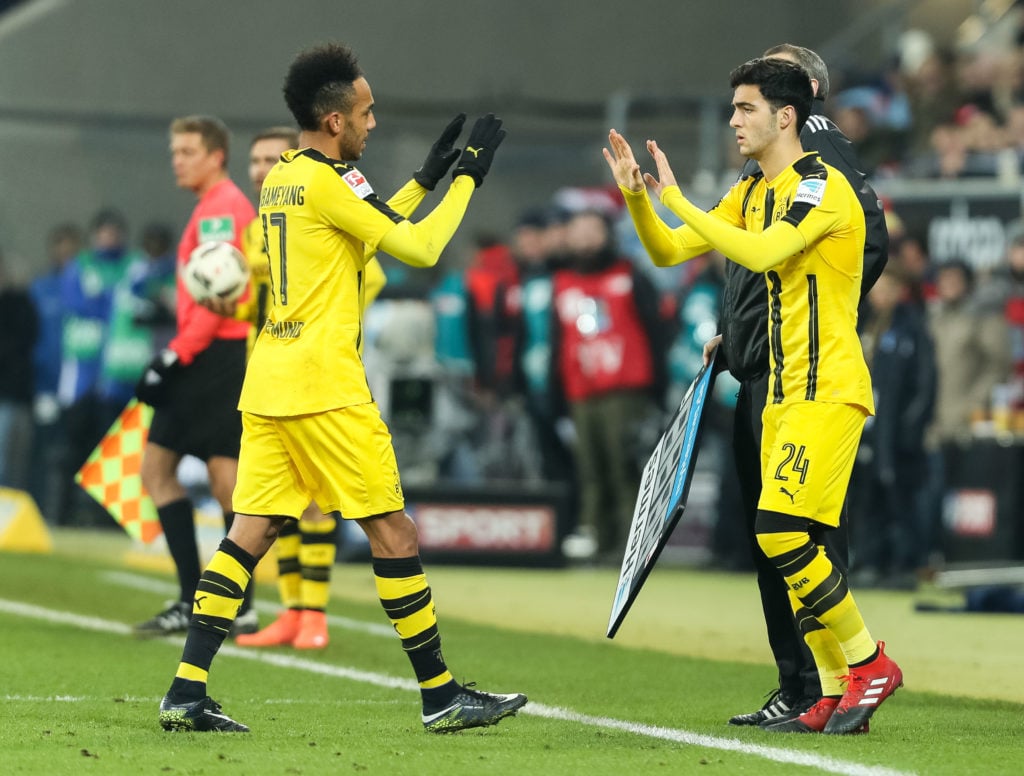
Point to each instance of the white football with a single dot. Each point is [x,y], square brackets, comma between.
[216,270]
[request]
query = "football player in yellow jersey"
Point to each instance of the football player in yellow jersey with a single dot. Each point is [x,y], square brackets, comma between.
[305,548]
[800,223]
[311,430]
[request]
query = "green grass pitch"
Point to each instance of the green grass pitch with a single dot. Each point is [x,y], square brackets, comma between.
[79,694]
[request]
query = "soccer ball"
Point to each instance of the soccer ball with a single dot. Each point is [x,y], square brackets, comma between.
[216,270]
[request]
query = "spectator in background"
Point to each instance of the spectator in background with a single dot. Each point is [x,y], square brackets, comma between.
[969,146]
[88,287]
[889,543]
[909,255]
[46,483]
[129,343]
[457,422]
[492,281]
[493,314]
[155,286]
[972,347]
[874,119]
[930,83]
[532,249]
[608,362]
[972,351]
[19,328]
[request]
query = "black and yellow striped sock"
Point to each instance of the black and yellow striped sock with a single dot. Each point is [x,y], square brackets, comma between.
[289,572]
[405,596]
[316,557]
[250,591]
[828,655]
[811,576]
[218,598]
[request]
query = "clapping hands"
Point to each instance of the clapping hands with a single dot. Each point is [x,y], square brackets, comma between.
[626,170]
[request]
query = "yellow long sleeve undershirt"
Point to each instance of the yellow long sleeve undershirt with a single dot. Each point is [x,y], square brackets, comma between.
[420,244]
[404,202]
[408,198]
[702,231]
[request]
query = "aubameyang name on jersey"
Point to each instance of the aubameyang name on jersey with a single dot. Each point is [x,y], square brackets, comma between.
[278,196]
[284,329]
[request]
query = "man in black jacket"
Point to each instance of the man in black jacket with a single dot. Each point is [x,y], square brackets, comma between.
[744,341]
[890,543]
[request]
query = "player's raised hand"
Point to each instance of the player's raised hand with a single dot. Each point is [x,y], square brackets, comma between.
[441,155]
[484,139]
[665,175]
[622,163]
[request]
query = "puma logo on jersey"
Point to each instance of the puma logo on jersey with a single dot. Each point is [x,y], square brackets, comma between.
[199,601]
[792,496]
[474,151]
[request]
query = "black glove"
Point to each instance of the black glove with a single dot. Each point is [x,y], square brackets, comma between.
[441,155]
[484,140]
[152,386]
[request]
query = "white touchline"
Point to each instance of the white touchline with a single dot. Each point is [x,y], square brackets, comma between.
[773,753]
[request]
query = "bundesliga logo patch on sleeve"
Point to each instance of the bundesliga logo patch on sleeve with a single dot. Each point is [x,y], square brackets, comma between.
[811,191]
[358,183]
[217,228]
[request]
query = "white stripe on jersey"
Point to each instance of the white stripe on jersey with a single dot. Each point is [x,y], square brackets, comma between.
[818,123]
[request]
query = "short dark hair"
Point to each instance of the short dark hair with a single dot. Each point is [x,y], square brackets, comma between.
[959,265]
[320,81]
[781,83]
[157,238]
[109,216]
[211,129]
[808,60]
[288,134]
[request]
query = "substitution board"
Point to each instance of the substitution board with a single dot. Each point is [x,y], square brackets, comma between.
[662,497]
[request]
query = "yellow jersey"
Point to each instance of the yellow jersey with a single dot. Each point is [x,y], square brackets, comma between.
[254,308]
[257,303]
[805,230]
[322,223]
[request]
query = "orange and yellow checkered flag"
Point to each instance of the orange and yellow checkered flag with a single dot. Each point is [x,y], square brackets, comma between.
[112,473]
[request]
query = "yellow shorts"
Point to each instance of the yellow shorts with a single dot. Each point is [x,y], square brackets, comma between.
[807,454]
[342,459]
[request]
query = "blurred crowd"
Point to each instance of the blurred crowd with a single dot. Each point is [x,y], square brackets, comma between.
[74,343]
[551,358]
[938,111]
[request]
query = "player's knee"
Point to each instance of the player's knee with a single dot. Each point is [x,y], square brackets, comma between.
[392,535]
[255,534]
[779,535]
